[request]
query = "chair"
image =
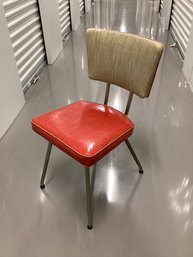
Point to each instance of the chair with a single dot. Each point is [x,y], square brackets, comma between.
[87,131]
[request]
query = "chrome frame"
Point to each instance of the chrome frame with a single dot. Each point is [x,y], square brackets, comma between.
[129,103]
[42,185]
[127,141]
[107,93]
[134,156]
[90,183]
[89,192]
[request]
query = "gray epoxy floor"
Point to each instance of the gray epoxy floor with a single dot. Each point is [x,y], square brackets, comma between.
[148,215]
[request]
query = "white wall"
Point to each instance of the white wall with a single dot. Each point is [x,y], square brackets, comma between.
[87,5]
[51,25]
[51,29]
[157,4]
[75,13]
[167,5]
[188,61]
[191,79]
[11,95]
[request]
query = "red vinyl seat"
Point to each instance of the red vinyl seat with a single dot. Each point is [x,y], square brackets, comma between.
[84,130]
[87,131]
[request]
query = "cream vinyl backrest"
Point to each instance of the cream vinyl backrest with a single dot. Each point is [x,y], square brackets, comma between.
[123,59]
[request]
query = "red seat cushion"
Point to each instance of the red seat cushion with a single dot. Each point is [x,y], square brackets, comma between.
[84,130]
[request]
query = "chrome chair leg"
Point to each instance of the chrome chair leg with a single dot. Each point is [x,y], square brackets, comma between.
[134,156]
[88,197]
[42,185]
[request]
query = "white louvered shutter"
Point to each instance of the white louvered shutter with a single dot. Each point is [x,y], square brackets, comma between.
[161,7]
[65,19]
[81,6]
[180,23]
[25,29]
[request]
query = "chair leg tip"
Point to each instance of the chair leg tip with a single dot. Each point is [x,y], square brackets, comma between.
[141,171]
[42,186]
[89,227]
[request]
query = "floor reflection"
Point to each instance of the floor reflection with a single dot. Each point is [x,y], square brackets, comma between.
[137,17]
[181,201]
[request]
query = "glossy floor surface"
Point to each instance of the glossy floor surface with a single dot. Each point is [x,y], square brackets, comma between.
[149,215]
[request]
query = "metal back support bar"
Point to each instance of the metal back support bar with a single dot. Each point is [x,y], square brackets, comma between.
[129,103]
[107,93]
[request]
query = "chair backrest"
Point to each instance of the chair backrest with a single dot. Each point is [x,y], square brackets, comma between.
[123,59]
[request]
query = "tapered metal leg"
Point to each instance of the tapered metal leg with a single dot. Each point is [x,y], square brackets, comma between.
[134,156]
[42,185]
[88,197]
